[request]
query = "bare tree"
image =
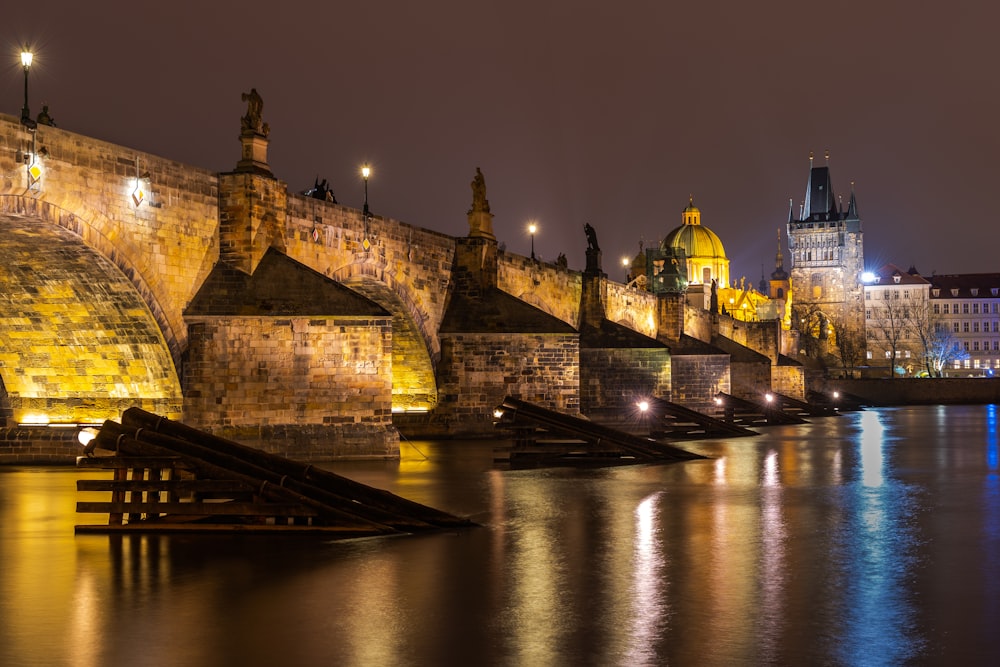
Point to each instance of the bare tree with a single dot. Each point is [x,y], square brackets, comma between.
[890,323]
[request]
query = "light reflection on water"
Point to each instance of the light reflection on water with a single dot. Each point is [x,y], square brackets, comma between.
[867,539]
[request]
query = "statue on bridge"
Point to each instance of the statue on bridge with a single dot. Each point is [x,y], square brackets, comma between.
[479,201]
[591,237]
[252,121]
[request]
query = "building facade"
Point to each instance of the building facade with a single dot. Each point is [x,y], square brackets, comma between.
[965,309]
[896,318]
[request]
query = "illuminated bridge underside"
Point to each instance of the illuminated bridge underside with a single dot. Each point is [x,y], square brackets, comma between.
[413,384]
[77,343]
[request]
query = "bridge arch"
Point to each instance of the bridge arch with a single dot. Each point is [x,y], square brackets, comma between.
[79,340]
[91,234]
[415,346]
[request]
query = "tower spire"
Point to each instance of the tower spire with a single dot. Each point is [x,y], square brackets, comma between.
[852,206]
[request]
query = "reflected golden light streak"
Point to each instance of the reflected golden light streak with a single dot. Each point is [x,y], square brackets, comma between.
[649,608]
[872,454]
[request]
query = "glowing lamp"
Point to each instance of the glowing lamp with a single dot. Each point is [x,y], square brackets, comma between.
[867,277]
[643,406]
[497,414]
[769,397]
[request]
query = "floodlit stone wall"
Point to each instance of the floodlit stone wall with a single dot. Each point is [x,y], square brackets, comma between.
[477,371]
[318,388]
[617,378]
[696,379]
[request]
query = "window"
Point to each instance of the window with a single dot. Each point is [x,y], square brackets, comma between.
[895,295]
[975,291]
[986,346]
[957,364]
[869,354]
[954,327]
[868,313]
[996,326]
[975,346]
[945,309]
[965,346]
[965,327]
[975,327]
[966,364]
[887,354]
[937,309]
[975,309]
[965,308]
[996,346]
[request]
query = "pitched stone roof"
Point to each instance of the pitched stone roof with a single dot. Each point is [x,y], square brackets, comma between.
[279,287]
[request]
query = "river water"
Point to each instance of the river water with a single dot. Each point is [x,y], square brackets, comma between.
[872,538]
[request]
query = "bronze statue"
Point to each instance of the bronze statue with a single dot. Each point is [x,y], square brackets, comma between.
[252,121]
[479,202]
[44,118]
[591,237]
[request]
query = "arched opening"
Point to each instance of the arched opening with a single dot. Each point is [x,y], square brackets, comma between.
[78,344]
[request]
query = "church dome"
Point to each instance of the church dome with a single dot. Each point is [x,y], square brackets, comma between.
[695,241]
[706,257]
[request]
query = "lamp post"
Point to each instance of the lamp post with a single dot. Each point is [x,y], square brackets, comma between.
[625,264]
[26,57]
[532,228]
[365,173]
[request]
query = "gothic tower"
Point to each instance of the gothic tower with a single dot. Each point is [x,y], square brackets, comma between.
[827,256]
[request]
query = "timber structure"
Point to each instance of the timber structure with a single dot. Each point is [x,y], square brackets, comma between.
[543,437]
[169,477]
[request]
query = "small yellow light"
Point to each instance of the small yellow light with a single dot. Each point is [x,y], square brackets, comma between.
[643,406]
[366,172]
[26,57]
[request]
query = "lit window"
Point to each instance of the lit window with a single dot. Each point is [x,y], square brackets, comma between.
[869,354]
[967,363]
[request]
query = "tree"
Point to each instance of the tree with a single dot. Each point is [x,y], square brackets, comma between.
[850,345]
[889,321]
[938,346]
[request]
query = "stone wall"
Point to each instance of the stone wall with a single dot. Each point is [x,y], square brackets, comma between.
[789,381]
[548,287]
[749,380]
[477,371]
[318,388]
[696,379]
[616,378]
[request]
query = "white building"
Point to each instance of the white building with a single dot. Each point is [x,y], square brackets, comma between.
[896,317]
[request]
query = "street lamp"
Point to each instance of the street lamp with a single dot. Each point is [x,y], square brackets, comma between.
[365,173]
[625,264]
[532,228]
[26,57]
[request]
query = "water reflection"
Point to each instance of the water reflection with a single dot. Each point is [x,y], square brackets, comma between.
[878,556]
[871,538]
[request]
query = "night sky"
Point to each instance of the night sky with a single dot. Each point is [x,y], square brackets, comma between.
[577,111]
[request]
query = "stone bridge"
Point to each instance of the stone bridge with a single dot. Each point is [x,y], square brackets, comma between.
[218,299]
